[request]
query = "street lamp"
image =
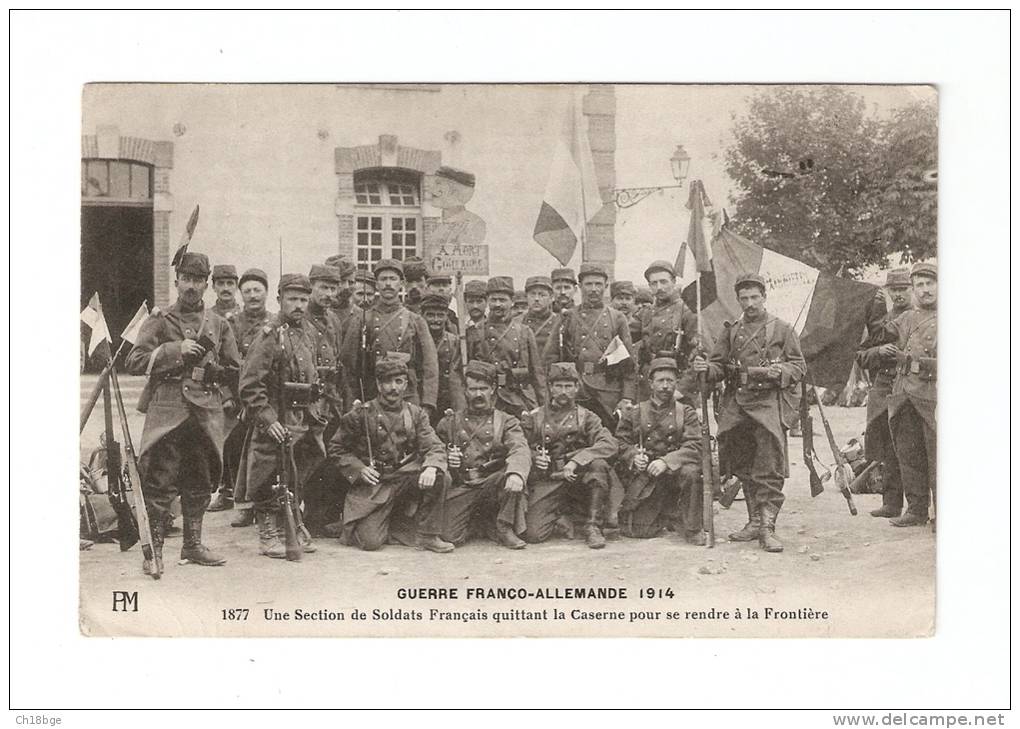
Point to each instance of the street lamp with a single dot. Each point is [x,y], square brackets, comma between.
[679,163]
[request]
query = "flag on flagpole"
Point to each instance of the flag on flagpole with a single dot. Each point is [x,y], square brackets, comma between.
[697,203]
[92,315]
[828,313]
[135,325]
[616,352]
[572,195]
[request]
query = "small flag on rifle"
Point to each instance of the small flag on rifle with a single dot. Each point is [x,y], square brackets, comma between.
[134,326]
[616,352]
[92,315]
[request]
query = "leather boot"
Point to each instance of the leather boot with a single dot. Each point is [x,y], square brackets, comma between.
[433,543]
[193,550]
[334,529]
[564,527]
[751,529]
[696,537]
[269,542]
[910,519]
[154,567]
[767,532]
[244,517]
[592,532]
[505,536]
[222,501]
[892,505]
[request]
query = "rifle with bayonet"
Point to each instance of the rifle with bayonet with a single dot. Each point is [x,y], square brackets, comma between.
[842,481]
[463,319]
[808,444]
[282,487]
[709,478]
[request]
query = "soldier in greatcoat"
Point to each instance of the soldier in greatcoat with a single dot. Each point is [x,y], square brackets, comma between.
[878,359]
[571,462]
[187,352]
[759,359]
[224,283]
[395,464]
[286,409]
[660,460]
[451,370]
[540,317]
[489,461]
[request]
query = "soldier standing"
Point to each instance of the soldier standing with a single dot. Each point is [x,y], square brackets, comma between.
[364,289]
[283,355]
[489,462]
[621,297]
[660,460]
[571,462]
[388,330]
[247,323]
[760,360]
[325,281]
[914,393]
[520,304]
[451,369]
[583,336]
[474,302]
[187,352]
[540,317]
[441,284]
[344,305]
[879,360]
[564,284]
[510,345]
[391,456]
[415,275]
[668,329]
[224,282]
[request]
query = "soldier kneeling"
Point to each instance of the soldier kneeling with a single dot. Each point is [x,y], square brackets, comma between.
[395,464]
[660,459]
[489,463]
[572,453]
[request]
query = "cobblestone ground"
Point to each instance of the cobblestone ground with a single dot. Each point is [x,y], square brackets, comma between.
[870,578]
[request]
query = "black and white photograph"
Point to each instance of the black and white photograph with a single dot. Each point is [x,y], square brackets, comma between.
[467,359]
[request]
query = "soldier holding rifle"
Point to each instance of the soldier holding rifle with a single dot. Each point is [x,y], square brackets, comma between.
[760,360]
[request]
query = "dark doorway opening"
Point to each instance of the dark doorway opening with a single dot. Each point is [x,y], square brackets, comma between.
[116,261]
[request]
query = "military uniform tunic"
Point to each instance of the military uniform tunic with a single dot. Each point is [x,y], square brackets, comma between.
[327,330]
[394,433]
[658,327]
[493,446]
[756,412]
[541,325]
[292,348]
[669,431]
[581,336]
[912,404]
[451,374]
[510,345]
[568,434]
[391,330]
[182,440]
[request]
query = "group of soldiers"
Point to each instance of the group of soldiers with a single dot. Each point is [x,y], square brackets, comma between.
[392,421]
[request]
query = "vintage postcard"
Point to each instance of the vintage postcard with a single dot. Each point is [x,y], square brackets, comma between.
[506,360]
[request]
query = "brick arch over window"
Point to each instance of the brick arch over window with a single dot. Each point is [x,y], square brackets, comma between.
[107,143]
[386,153]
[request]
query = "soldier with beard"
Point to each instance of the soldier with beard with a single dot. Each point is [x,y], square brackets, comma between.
[564,284]
[583,336]
[571,461]
[510,345]
[879,360]
[660,460]
[760,360]
[441,284]
[668,329]
[415,276]
[247,324]
[451,370]
[540,317]
[913,398]
[224,282]
[284,352]
[395,463]
[474,302]
[180,452]
[344,306]
[488,463]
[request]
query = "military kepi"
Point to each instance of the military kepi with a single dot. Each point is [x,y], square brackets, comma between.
[388,264]
[622,288]
[388,368]
[194,264]
[224,270]
[562,371]
[329,274]
[924,269]
[500,285]
[296,281]
[564,274]
[538,281]
[460,176]
[478,370]
[593,269]
[897,278]
[662,363]
[660,265]
[433,302]
[749,279]
[255,274]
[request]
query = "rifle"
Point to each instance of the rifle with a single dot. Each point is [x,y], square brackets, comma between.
[127,529]
[144,531]
[284,456]
[360,405]
[458,293]
[97,389]
[842,482]
[855,485]
[709,481]
[807,428]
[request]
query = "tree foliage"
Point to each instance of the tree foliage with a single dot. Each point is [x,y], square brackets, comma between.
[821,180]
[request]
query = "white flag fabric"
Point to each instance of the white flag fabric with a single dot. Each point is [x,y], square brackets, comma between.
[616,352]
[92,315]
[135,325]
